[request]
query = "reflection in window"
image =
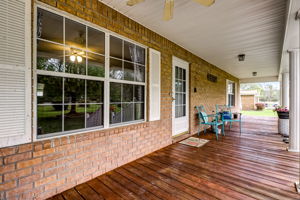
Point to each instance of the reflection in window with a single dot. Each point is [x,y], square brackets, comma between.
[94,115]
[50,56]
[74,90]
[128,71]
[49,90]
[75,61]
[96,41]
[116,69]
[45,23]
[115,113]
[96,65]
[116,46]
[94,91]
[74,117]
[127,112]
[49,119]
[75,34]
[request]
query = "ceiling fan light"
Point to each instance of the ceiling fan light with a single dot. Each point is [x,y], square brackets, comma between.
[72,58]
[79,59]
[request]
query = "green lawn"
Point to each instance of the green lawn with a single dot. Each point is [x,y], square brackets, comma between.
[264,113]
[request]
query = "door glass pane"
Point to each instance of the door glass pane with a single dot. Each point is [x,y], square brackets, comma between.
[128,71]
[75,34]
[115,69]
[49,119]
[115,113]
[50,56]
[96,41]
[74,90]
[45,23]
[180,92]
[94,115]
[74,117]
[116,47]
[49,90]
[96,65]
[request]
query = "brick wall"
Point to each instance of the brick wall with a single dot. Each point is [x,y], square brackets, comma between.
[248,102]
[42,169]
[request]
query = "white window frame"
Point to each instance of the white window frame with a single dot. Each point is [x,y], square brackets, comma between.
[106,79]
[235,92]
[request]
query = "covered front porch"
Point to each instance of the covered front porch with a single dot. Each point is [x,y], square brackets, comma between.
[254,165]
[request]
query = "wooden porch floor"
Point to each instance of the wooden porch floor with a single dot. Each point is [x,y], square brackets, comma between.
[252,166]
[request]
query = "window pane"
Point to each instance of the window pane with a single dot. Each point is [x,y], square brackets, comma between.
[75,61]
[96,41]
[45,23]
[94,91]
[74,117]
[49,89]
[49,119]
[94,115]
[115,69]
[96,65]
[116,47]
[127,112]
[75,34]
[49,56]
[128,71]
[138,111]
[115,92]
[140,73]
[140,55]
[183,75]
[176,73]
[127,93]
[138,93]
[74,90]
[115,113]
[129,51]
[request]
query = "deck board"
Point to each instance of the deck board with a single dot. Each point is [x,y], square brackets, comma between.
[254,165]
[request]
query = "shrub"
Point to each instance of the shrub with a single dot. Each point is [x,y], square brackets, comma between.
[260,106]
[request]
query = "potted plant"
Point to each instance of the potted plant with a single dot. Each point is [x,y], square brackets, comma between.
[282,112]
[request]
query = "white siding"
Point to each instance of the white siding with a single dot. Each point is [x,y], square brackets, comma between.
[15,72]
[154,82]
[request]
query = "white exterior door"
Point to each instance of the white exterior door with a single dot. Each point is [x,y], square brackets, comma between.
[180,104]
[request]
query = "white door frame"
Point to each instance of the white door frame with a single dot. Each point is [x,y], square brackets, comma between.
[175,128]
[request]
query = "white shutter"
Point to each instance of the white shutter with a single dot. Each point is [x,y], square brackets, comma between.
[154,92]
[15,72]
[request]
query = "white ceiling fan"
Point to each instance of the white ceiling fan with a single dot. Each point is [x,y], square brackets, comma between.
[169,6]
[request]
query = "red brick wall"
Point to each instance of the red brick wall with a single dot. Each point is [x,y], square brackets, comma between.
[42,169]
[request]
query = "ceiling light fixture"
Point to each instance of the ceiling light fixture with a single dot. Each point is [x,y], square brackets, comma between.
[254,73]
[72,58]
[76,57]
[241,57]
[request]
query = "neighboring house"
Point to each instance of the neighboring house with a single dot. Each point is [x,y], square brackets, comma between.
[248,99]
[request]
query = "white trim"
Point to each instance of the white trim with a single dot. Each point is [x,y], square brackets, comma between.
[106,79]
[184,64]
[154,118]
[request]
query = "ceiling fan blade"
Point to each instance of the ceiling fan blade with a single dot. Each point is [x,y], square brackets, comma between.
[168,10]
[133,2]
[205,2]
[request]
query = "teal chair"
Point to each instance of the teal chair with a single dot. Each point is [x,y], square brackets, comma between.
[203,118]
[227,116]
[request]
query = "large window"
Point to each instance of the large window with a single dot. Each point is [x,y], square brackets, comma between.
[230,93]
[127,75]
[71,66]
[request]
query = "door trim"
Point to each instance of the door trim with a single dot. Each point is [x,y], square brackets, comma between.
[184,64]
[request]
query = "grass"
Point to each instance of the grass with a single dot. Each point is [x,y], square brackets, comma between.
[263,113]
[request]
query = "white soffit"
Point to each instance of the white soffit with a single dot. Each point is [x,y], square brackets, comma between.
[219,33]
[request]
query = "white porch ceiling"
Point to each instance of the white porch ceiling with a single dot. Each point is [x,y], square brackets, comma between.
[219,33]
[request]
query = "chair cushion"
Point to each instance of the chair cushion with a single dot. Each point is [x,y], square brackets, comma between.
[226,115]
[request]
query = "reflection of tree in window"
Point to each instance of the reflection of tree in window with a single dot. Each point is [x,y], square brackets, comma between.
[74,93]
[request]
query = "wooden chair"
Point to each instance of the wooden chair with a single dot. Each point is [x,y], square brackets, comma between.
[203,118]
[227,115]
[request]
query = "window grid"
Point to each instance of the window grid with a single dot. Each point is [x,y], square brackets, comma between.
[105,79]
